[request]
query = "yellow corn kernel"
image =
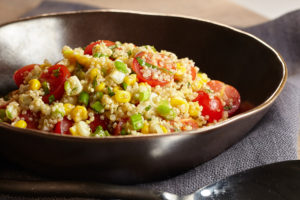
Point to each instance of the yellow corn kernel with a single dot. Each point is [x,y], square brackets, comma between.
[130,80]
[122,96]
[71,67]
[200,80]
[73,130]
[68,108]
[197,85]
[34,84]
[180,103]
[203,77]
[100,87]
[68,52]
[83,59]
[145,128]
[20,124]
[181,70]
[117,88]
[164,129]
[194,109]
[79,113]
[94,73]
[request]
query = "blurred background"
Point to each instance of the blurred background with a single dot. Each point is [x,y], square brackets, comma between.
[232,12]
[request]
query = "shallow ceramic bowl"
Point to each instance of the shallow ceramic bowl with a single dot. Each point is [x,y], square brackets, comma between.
[224,53]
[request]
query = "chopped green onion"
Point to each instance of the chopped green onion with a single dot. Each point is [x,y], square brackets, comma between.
[112,47]
[148,108]
[129,53]
[99,95]
[137,121]
[46,88]
[8,114]
[120,66]
[51,99]
[56,72]
[166,111]
[67,86]
[144,95]
[100,132]
[110,92]
[99,55]
[84,98]
[171,115]
[124,85]
[163,109]
[98,107]
[123,132]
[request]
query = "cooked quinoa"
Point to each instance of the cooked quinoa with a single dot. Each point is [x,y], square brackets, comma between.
[113,88]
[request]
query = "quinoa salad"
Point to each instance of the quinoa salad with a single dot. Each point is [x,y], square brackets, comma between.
[112,88]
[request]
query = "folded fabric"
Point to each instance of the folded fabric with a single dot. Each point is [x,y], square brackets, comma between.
[273,139]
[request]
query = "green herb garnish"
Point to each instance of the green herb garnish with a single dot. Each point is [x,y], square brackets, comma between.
[56,72]
[227,107]
[98,107]
[45,87]
[110,92]
[148,108]
[124,85]
[143,63]
[51,98]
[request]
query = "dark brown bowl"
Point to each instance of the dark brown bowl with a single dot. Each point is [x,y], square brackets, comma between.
[224,53]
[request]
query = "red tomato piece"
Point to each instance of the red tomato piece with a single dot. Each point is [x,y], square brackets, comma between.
[136,67]
[20,74]
[189,122]
[56,77]
[117,130]
[32,119]
[211,107]
[89,48]
[63,126]
[228,94]
[193,72]
[216,86]
[99,122]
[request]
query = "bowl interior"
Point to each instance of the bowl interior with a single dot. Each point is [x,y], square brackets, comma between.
[222,53]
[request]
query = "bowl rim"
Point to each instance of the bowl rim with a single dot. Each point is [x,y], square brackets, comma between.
[201,130]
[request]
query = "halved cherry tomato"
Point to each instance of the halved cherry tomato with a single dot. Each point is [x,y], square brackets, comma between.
[32,119]
[56,77]
[63,126]
[189,122]
[99,122]
[89,48]
[136,67]
[228,94]
[211,107]
[20,74]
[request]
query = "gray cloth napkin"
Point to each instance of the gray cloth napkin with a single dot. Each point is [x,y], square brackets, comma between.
[273,139]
